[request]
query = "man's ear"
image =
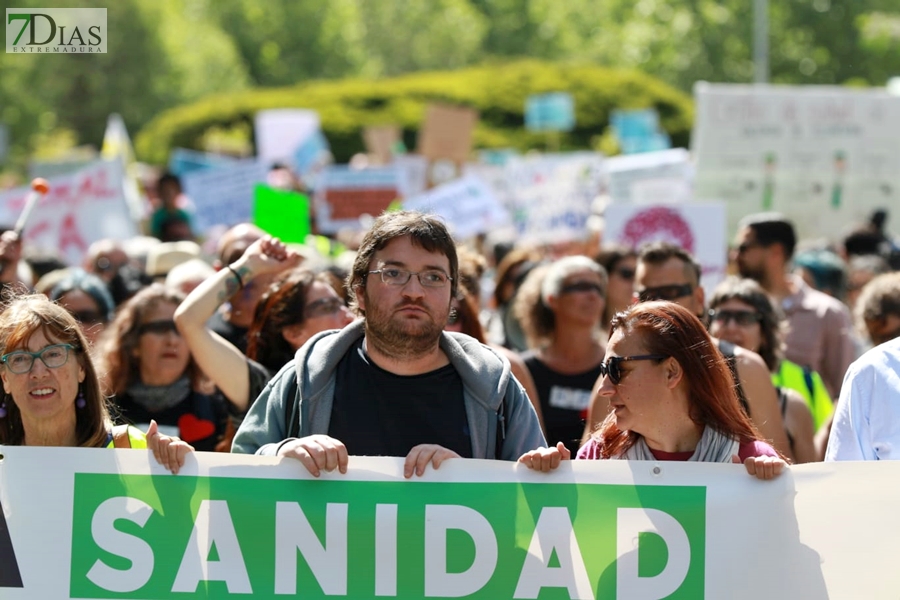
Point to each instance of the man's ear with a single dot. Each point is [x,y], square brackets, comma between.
[360,292]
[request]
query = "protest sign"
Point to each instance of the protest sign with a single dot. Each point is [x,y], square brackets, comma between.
[183,161]
[637,177]
[552,195]
[467,205]
[381,142]
[280,132]
[79,209]
[550,112]
[344,194]
[446,132]
[102,523]
[824,156]
[281,214]
[224,195]
[698,228]
[639,131]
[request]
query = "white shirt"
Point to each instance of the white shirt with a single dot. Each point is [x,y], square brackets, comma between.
[867,419]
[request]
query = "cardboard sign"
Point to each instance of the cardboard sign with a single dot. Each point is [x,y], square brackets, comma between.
[343,195]
[447,132]
[281,214]
[79,209]
[698,228]
[381,142]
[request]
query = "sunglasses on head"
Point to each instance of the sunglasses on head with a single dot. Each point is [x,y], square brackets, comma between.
[744,318]
[582,286]
[665,292]
[157,328]
[611,367]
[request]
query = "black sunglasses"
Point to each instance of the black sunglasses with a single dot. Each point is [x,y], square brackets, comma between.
[665,292]
[744,318]
[88,317]
[582,286]
[612,369]
[157,327]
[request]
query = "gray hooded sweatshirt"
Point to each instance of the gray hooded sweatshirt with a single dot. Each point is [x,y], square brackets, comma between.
[485,375]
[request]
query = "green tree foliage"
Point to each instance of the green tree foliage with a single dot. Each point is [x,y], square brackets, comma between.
[498,92]
[163,53]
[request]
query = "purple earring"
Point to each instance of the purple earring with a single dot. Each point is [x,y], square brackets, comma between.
[3,409]
[79,400]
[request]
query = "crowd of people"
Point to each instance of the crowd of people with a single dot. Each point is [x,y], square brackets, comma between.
[424,349]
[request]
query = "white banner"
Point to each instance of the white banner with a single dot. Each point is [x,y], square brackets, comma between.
[659,177]
[97,523]
[824,156]
[698,228]
[79,209]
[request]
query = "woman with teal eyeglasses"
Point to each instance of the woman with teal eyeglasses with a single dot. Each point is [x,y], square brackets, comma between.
[51,394]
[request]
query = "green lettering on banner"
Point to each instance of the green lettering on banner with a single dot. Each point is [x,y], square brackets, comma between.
[170,537]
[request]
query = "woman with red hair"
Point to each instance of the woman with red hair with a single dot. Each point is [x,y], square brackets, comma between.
[671,397]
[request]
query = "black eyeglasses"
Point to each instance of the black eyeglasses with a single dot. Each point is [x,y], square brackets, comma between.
[665,292]
[432,278]
[323,307]
[612,369]
[157,328]
[744,318]
[582,286]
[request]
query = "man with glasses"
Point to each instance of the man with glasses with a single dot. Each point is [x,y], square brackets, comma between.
[394,383]
[668,272]
[820,333]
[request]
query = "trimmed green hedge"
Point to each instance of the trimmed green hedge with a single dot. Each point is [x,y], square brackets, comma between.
[497,91]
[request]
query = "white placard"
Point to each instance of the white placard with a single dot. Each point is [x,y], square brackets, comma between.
[698,228]
[467,205]
[638,177]
[824,156]
[280,132]
[79,209]
[224,195]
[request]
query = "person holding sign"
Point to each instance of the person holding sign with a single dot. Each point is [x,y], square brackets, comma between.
[670,396]
[394,383]
[51,394]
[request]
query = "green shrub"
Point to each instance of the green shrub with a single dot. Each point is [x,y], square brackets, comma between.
[497,91]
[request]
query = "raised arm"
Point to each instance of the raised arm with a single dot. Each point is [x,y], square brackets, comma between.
[220,360]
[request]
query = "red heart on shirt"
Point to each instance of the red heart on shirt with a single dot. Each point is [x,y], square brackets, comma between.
[193,429]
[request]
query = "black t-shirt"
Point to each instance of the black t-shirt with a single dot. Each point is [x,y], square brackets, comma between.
[377,413]
[565,400]
[199,419]
[234,334]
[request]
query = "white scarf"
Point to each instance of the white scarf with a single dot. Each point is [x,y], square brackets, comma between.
[713,447]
